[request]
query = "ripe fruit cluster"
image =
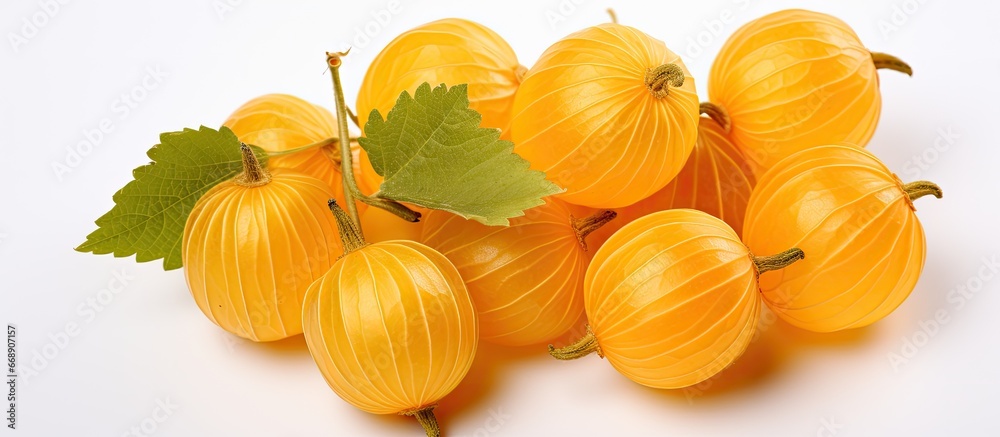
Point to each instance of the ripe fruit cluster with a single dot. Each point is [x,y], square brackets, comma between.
[672,216]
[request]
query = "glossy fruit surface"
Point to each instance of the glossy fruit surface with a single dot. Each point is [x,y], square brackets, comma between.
[796,79]
[526,279]
[609,113]
[452,51]
[716,179]
[280,122]
[855,221]
[672,298]
[250,252]
[391,327]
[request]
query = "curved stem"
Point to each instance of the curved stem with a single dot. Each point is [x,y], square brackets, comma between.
[425,416]
[920,189]
[614,16]
[717,113]
[581,348]
[350,235]
[660,79]
[354,118]
[320,143]
[346,164]
[253,175]
[401,211]
[887,61]
[584,226]
[779,261]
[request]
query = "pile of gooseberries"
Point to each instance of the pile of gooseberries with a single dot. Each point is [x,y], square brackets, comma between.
[659,248]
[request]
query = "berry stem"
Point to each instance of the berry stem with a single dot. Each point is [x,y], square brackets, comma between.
[920,189]
[427,420]
[658,79]
[586,345]
[519,72]
[584,226]
[350,235]
[717,113]
[887,61]
[346,166]
[779,261]
[351,190]
[253,175]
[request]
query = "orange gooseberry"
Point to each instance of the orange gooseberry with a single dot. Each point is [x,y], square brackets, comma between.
[672,298]
[253,245]
[390,325]
[796,79]
[608,113]
[855,219]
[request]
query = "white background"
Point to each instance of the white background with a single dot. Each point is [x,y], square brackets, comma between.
[151,344]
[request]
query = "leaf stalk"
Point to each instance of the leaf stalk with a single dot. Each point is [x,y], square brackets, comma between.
[321,143]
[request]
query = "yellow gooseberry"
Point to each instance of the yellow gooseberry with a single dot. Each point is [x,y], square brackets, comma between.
[390,325]
[716,179]
[253,245]
[452,51]
[796,79]
[672,298]
[608,113]
[527,278]
[280,122]
[855,220]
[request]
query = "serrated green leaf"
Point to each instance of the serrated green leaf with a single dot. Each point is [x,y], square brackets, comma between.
[431,151]
[149,213]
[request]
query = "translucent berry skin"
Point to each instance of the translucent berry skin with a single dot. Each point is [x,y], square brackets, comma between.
[585,116]
[864,245]
[672,298]
[250,252]
[792,80]
[526,279]
[452,51]
[280,122]
[716,179]
[391,327]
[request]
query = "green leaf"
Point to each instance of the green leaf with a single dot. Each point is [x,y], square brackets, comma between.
[149,213]
[431,151]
